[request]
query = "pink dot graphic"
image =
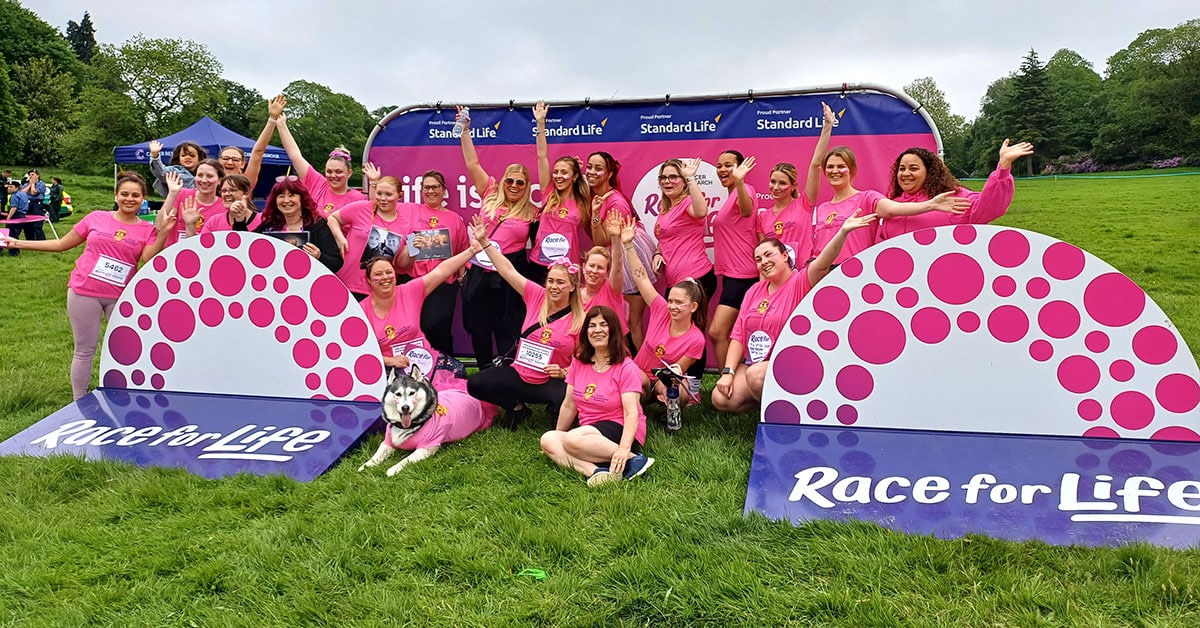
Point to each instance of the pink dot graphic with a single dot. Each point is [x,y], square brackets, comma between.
[145,322]
[847,415]
[1121,370]
[297,263]
[1176,432]
[1090,409]
[1037,288]
[894,265]
[817,410]
[1004,286]
[1009,249]
[233,239]
[262,253]
[907,297]
[159,264]
[955,278]
[1063,261]
[1155,344]
[968,322]
[333,350]
[1113,300]
[1100,431]
[831,303]
[157,381]
[855,382]
[313,381]
[196,289]
[1041,350]
[306,353]
[872,293]
[1078,374]
[964,234]
[207,240]
[368,369]
[146,291]
[876,337]
[800,324]
[258,283]
[235,310]
[137,377]
[339,382]
[162,356]
[114,378]
[261,312]
[798,369]
[1096,342]
[930,325]
[293,310]
[125,345]
[925,237]
[211,312]
[227,275]
[176,320]
[828,340]
[317,328]
[852,267]
[354,332]
[187,264]
[126,309]
[1008,323]
[1177,393]
[1132,410]
[282,334]
[173,285]
[280,284]
[328,296]
[1058,319]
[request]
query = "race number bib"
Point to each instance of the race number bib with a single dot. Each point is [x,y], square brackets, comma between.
[555,246]
[112,271]
[533,355]
[481,258]
[758,345]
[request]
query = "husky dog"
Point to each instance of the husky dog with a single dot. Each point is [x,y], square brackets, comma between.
[408,402]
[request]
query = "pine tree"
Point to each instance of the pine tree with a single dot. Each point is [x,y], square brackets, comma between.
[1031,117]
[82,37]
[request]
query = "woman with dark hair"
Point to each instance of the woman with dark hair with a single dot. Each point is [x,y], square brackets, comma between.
[197,205]
[765,311]
[369,228]
[184,159]
[604,388]
[566,205]
[114,244]
[235,193]
[790,219]
[290,209]
[735,233]
[607,201]
[919,175]
[432,217]
[330,192]
[680,226]
[492,309]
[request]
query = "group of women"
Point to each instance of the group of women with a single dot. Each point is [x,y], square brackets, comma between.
[577,330]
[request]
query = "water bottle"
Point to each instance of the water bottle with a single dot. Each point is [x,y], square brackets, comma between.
[674,418]
[460,120]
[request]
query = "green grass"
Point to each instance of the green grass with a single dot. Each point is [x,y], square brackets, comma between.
[441,544]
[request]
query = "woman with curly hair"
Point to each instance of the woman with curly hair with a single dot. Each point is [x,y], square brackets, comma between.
[919,175]
[566,205]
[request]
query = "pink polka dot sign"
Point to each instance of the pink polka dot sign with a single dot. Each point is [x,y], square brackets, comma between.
[984,329]
[242,314]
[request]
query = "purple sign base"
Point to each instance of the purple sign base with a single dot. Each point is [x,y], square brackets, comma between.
[1060,490]
[212,436]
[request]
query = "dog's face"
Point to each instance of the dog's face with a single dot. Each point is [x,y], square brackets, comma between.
[408,400]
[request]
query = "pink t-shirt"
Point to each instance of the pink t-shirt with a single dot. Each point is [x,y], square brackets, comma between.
[764,313]
[557,334]
[660,345]
[111,252]
[734,239]
[792,226]
[510,234]
[207,212]
[598,395]
[986,206]
[220,222]
[457,416]
[557,235]
[326,201]
[829,219]
[424,218]
[366,232]
[681,242]
[613,298]
[400,330]
[617,202]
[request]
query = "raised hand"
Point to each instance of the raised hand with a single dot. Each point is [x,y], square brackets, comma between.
[240,210]
[612,226]
[479,229]
[155,148]
[739,173]
[476,247]
[191,213]
[275,106]
[1009,154]
[944,202]
[372,172]
[312,250]
[459,114]
[174,182]
[829,118]
[690,166]
[540,110]
[628,230]
[857,222]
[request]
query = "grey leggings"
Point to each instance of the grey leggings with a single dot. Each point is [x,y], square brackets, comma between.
[85,316]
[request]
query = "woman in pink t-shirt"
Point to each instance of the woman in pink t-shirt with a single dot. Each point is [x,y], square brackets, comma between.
[840,168]
[735,233]
[195,206]
[604,390]
[393,313]
[607,201]
[492,310]
[675,327]
[765,311]
[790,219]
[114,244]
[445,233]
[367,229]
[680,226]
[566,205]
[331,192]
[534,367]
[604,274]
[235,195]
[918,175]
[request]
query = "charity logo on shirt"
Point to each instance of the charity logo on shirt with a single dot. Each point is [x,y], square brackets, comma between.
[199,222]
[119,235]
[328,208]
[441,410]
[832,216]
[546,334]
[763,306]
[778,227]
[562,212]
[658,230]
[433,221]
[589,391]
[660,351]
[390,332]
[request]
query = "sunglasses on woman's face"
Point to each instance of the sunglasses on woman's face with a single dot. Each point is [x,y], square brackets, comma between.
[517,182]
[290,177]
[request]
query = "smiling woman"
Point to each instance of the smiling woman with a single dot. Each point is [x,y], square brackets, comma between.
[290,209]
[330,192]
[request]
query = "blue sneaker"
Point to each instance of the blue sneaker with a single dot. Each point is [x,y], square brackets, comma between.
[602,476]
[637,465]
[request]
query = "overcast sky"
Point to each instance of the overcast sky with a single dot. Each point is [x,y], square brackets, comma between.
[400,53]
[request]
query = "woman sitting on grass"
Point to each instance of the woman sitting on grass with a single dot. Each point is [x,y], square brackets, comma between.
[604,388]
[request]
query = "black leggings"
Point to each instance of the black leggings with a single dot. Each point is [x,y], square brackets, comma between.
[437,317]
[504,387]
[492,310]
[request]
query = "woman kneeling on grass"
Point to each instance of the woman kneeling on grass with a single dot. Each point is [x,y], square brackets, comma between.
[604,387]
[766,309]
[114,244]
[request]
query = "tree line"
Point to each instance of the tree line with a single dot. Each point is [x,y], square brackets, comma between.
[67,101]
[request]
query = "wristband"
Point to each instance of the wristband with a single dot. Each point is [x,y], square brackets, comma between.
[727,371]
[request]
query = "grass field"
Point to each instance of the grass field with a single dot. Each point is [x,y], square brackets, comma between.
[443,542]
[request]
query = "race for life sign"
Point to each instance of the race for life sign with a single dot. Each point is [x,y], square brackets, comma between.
[932,345]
